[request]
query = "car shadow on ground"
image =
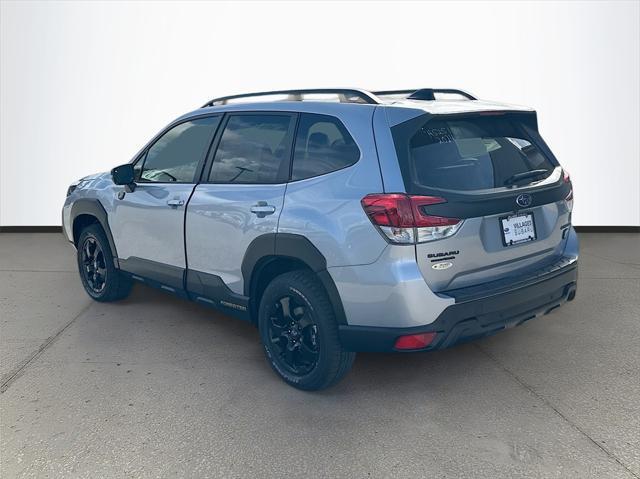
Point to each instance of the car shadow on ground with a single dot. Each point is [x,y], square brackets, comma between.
[231,339]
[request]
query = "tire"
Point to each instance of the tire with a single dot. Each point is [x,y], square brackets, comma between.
[299,332]
[100,278]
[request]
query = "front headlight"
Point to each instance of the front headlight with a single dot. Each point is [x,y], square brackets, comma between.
[72,188]
[76,185]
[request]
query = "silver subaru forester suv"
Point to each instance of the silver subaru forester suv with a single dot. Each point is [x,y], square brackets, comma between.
[337,221]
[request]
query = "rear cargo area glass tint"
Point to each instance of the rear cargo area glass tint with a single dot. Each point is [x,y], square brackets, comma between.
[471,153]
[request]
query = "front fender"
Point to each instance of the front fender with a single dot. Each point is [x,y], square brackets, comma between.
[93,207]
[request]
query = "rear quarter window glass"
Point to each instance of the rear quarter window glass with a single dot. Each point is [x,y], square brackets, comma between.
[323,145]
[468,154]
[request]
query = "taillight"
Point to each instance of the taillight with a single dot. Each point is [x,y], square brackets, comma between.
[567,179]
[402,218]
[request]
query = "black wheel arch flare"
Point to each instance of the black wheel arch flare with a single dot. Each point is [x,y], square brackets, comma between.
[93,207]
[290,246]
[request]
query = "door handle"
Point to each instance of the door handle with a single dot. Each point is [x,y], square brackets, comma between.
[262,209]
[175,203]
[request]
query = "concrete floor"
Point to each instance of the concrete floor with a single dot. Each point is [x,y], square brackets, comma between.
[158,387]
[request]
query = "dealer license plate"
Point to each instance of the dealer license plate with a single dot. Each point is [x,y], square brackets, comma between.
[518,229]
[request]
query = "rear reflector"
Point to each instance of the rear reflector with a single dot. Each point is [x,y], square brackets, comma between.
[415,341]
[402,218]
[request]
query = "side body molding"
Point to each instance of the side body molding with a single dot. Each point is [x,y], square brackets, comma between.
[271,246]
[93,207]
[210,290]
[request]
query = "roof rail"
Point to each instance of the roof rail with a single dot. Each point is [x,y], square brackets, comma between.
[345,95]
[425,93]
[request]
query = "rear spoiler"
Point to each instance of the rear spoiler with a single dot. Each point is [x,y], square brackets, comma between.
[528,117]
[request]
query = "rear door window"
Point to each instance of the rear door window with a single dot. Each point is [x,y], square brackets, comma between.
[323,145]
[469,154]
[254,149]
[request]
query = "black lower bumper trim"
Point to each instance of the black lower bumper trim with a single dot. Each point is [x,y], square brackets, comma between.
[468,320]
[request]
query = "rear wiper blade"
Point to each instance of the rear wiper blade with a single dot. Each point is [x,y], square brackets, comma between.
[523,176]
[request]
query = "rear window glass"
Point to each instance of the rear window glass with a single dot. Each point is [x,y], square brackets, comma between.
[475,153]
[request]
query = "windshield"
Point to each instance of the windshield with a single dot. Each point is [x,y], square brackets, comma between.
[471,153]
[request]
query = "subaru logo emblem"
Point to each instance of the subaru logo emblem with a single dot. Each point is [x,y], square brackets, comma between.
[524,200]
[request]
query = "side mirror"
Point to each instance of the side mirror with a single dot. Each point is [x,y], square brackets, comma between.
[123,175]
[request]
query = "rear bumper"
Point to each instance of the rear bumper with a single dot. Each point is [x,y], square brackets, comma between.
[479,312]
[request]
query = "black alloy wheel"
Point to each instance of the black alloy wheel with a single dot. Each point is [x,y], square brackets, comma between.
[94,265]
[293,335]
[98,273]
[299,332]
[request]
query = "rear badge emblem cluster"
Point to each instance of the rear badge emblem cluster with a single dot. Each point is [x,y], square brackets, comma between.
[524,200]
[442,256]
[441,266]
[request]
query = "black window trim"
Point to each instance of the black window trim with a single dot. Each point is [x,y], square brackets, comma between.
[142,156]
[293,127]
[203,170]
[293,150]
